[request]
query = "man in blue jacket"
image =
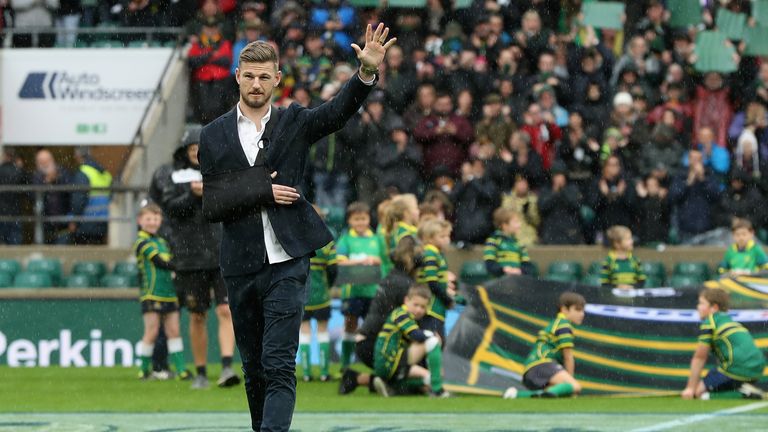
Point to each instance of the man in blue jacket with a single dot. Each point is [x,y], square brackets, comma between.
[249,159]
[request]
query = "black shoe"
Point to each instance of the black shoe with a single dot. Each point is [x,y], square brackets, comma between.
[348,382]
[184,375]
[228,378]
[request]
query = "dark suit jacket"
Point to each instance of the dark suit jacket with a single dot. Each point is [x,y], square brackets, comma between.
[297,226]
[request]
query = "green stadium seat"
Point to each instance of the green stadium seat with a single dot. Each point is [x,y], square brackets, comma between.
[653,282]
[592,279]
[473,272]
[692,268]
[144,44]
[571,268]
[170,44]
[6,280]
[77,280]
[534,269]
[595,267]
[683,280]
[126,268]
[562,277]
[94,269]
[117,281]
[10,266]
[32,279]
[109,43]
[51,266]
[654,269]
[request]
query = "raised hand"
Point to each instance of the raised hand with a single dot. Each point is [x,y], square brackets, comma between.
[376,45]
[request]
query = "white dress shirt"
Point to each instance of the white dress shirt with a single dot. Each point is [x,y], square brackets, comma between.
[250,137]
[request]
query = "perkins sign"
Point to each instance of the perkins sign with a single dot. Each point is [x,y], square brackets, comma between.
[79,333]
[77,353]
[77,96]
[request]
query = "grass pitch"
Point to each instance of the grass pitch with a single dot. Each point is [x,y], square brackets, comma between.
[95,399]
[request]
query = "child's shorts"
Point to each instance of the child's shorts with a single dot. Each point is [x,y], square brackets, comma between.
[160,307]
[538,377]
[716,381]
[356,306]
[393,371]
[322,314]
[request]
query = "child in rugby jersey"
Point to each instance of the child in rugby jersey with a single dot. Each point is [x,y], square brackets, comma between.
[322,274]
[744,256]
[401,345]
[157,293]
[739,362]
[503,254]
[435,236]
[550,367]
[620,268]
[400,219]
[357,246]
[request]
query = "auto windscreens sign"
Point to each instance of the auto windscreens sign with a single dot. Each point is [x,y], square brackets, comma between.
[77,96]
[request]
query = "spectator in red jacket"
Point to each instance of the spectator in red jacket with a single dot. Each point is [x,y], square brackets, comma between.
[445,137]
[209,60]
[712,107]
[544,133]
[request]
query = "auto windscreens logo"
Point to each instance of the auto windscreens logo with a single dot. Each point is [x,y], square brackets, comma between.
[84,86]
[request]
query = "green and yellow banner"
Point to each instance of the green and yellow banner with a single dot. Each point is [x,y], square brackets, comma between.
[636,342]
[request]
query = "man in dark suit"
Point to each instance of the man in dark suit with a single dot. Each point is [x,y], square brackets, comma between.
[249,159]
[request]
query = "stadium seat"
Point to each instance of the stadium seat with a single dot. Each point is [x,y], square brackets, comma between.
[595,267]
[94,269]
[170,44]
[683,280]
[129,268]
[534,269]
[117,281]
[10,266]
[77,280]
[109,43]
[592,279]
[473,272]
[32,279]
[654,269]
[692,268]
[570,268]
[6,280]
[562,277]
[51,266]
[653,282]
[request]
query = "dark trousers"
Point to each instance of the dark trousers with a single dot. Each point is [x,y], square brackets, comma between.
[266,312]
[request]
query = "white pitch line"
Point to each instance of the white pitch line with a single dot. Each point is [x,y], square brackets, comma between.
[701,417]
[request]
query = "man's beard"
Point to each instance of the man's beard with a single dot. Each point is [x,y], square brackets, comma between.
[251,103]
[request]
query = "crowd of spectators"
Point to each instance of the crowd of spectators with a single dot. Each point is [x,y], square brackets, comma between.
[513,103]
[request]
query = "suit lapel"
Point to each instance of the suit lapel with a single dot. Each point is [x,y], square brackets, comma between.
[233,139]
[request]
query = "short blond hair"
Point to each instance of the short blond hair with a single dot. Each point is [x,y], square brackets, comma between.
[617,233]
[150,208]
[258,52]
[432,227]
[741,223]
[503,215]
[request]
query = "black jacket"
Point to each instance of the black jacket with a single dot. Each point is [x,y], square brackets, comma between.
[390,294]
[298,228]
[194,242]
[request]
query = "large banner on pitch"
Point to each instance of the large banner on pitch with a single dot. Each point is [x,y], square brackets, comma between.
[637,342]
[77,96]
